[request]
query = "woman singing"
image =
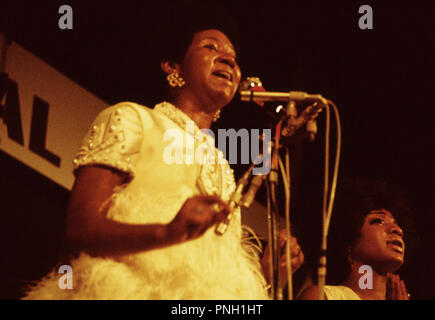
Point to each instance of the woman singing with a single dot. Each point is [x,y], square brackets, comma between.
[151,187]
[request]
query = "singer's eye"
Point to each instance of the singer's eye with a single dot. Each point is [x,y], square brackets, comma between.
[377,220]
[211,47]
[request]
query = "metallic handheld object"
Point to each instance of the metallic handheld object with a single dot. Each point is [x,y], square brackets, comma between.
[234,201]
[249,196]
[240,199]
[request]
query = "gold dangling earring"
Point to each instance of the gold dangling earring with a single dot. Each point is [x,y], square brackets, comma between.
[217,115]
[175,80]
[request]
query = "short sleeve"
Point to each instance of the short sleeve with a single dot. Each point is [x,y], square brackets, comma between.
[114,139]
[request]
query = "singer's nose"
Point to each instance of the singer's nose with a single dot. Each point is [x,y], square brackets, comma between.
[395,229]
[230,61]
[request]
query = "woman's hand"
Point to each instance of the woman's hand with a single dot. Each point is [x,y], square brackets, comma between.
[296,254]
[196,216]
[396,289]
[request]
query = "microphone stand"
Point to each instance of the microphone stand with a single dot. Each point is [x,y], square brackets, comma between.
[271,179]
[287,189]
[276,291]
[291,121]
[272,206]
[249,90]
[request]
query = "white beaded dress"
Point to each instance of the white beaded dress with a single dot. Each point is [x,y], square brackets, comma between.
[160,149]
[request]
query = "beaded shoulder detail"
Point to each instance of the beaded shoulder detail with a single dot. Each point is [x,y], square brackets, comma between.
[114,140]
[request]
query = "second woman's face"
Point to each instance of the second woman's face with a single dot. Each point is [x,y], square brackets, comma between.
[381,242]
[210,69]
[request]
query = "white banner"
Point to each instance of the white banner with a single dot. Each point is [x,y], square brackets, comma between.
[43,114]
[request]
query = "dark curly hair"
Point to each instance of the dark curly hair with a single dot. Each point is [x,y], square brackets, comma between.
[187,17]
[354,200]
[181,21]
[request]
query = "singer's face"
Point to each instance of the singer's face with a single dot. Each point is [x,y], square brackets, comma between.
[210,69]
[381,242]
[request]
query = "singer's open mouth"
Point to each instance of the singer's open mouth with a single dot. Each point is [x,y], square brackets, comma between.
[223,74]
[397,245]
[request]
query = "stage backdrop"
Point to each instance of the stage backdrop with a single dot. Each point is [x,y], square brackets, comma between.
[43,114]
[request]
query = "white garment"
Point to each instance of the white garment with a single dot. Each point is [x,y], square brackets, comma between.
[340,293]
[136,140]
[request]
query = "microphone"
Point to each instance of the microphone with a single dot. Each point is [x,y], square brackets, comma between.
[251,89]
[252,84]
[255,96]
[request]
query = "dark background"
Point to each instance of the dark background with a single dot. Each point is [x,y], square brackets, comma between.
[380,79]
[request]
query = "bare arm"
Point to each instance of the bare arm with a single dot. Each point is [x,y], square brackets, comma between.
[89,230]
